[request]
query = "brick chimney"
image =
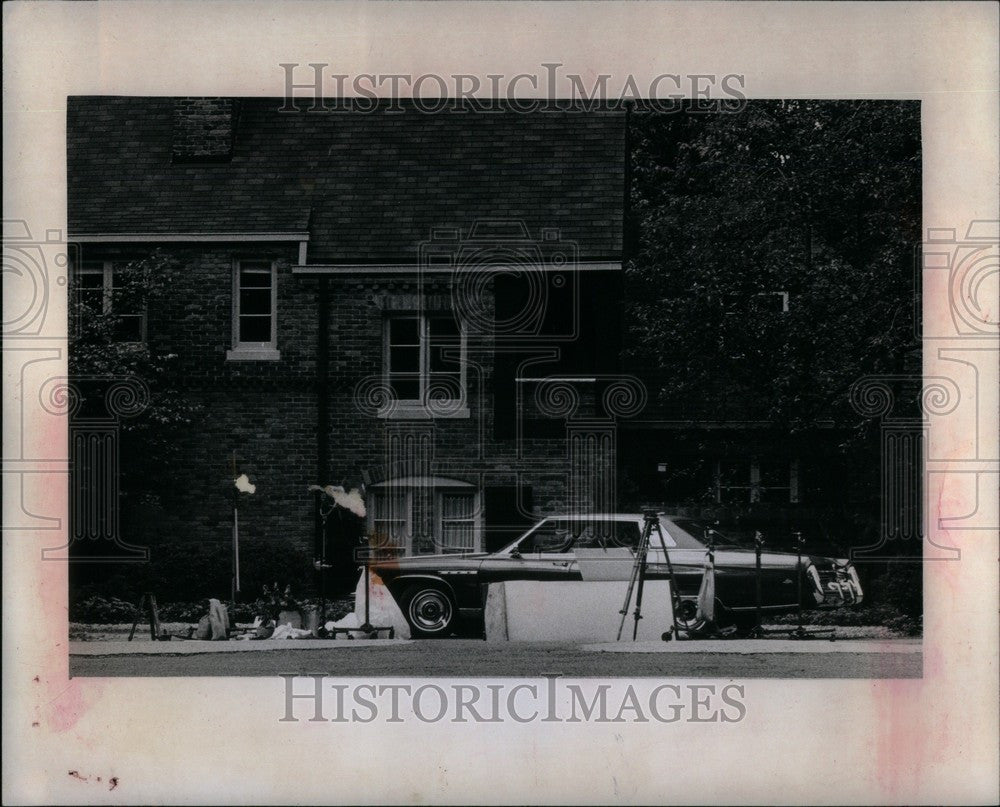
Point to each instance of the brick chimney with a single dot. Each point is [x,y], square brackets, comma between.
[204,129]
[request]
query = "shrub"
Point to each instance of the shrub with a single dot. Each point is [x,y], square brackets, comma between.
[188,571]
[102,611]
[900,587]
[886,615]
[99,610]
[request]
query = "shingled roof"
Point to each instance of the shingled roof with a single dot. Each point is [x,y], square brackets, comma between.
[367,187]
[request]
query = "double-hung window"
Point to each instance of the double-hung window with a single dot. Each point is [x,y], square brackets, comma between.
[102,290]
[390,517]
[458,517]
[255,318]
[425,359]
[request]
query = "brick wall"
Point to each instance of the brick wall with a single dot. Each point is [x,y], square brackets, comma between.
[266,411]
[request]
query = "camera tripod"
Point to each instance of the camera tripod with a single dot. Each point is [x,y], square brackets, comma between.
[638,578]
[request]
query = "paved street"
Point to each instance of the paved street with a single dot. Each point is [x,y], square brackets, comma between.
[742,658]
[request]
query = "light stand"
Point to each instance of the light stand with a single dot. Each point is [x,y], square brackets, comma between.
[366,627]
[241,485]
[758,628]
[364,554]
[235,577]
[236,552]
[800,632]
[710,541]
[707,610]
[325,510]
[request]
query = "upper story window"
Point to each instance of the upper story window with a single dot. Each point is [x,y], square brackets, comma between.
[425,361]
[255,311]
[103,290]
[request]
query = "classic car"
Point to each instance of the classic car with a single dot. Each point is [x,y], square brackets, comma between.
[435,591]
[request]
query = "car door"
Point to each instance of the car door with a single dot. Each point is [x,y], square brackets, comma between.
[543,553]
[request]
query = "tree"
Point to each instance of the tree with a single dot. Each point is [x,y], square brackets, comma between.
[108,344]
[816,203]
[816,200]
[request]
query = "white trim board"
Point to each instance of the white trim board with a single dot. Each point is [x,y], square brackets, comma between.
[417,268]
[128,238]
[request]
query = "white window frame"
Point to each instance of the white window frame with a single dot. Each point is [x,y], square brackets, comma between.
[407,543]
[438,486]
[107,271]
[419,407]
[755,487]
[254,351]
[477,515]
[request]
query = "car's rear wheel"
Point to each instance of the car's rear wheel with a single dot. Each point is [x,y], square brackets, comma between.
[429,609]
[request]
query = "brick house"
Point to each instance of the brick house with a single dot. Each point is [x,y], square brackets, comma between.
[425,303]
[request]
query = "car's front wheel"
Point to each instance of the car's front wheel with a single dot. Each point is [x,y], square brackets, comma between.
[429,609]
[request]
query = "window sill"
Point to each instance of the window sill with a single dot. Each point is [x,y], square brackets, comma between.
[253,354]
[416,411]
